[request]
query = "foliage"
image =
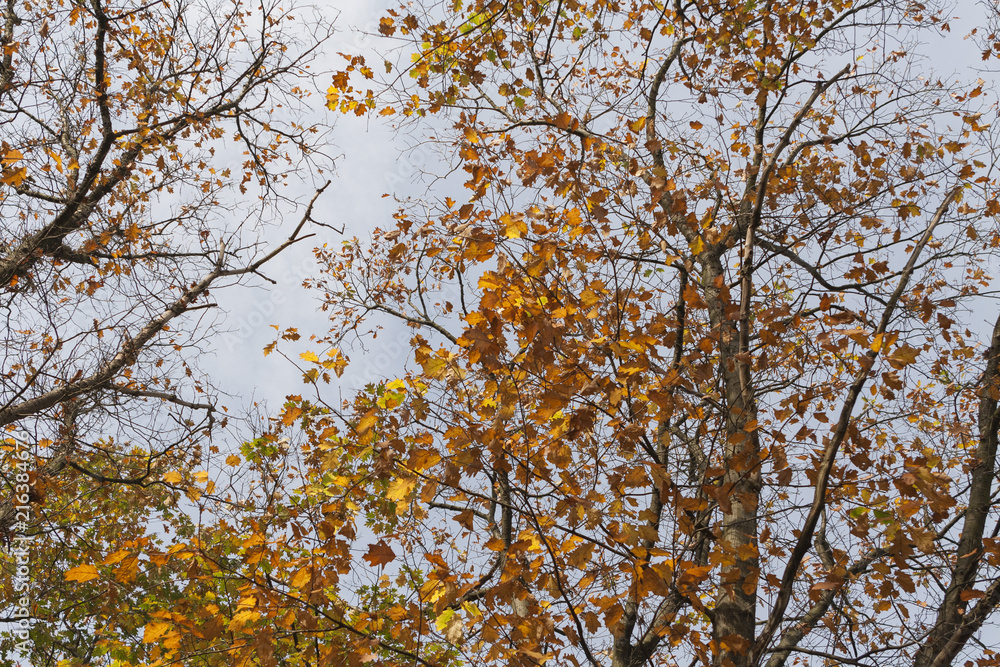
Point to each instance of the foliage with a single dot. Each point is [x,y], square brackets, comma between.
[700,372]
[143,143]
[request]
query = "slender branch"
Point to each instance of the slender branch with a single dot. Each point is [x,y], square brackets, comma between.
[830,454]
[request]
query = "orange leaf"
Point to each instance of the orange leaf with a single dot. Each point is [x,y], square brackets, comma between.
[825,586]
[379,554]
[291,414]
[13,177]
[367,422]
[82,573]
[154,631]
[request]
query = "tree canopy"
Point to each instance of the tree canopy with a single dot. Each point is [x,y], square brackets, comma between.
[144,147]
[704,366]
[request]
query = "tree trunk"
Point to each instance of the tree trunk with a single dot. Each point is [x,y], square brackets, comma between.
[734,621]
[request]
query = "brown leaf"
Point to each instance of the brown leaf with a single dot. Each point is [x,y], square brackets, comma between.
[379,554]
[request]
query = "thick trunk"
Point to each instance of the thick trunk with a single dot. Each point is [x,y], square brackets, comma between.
[733,628]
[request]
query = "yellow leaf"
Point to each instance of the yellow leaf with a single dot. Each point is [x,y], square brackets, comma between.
[172,477]
[442,621]
[514,227]
[201,476]
[233,460]
[421,459]
[400,488]
[242,618]
[573,217]
[332,96]
[254,540]
[12,156]
[82,573]
[154,631]
[55,156]
[367,422]
[309,356]
[301,578]
[434,367]
[13,177]
[697,246]
[115,557]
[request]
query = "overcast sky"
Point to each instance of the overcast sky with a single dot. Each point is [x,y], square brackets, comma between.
[369,164]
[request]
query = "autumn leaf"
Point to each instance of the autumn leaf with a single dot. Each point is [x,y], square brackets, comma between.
[291,413]
[366,423]
[400,488]
[971,594]
[172,477]
[379,554]
[154,631]
[301,578]
[826,585]
[638,124]
[903,356]
[620,400]
[242,618]
[514,226]
[10,155]
[115,557]
[13,176]
[82,573]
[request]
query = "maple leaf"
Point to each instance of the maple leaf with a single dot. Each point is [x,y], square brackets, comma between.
[379,554]
[903,356]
